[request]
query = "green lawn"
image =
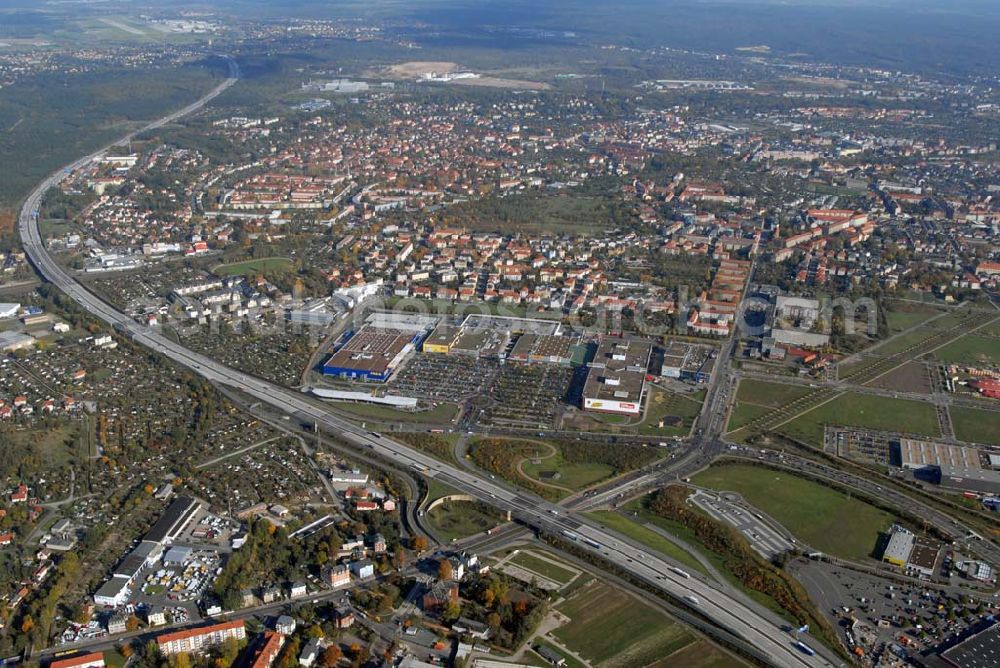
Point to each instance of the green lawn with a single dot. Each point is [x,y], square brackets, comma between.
[611,628]
[460,519]
[975,425]
[647,537]
[677,410]
[571,476]
[543,567]
[863,410]
[262,265]
[972,350]
[825,519]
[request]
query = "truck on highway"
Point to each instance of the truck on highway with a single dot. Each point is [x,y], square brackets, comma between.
[569,534]
[804,648]
[680,572]
[692,599]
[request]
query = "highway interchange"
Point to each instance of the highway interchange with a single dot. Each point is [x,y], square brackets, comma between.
[757,627]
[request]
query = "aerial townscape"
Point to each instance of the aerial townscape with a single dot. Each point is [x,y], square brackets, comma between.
[480,334]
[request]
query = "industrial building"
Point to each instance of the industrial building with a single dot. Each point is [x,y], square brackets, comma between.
[11,341]
[371,353]
[981,650]
[172,522]
[616,379]
[955,466]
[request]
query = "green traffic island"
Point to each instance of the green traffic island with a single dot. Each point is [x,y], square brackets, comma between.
[555,469]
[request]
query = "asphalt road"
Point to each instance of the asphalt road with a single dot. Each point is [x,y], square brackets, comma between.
[722,608]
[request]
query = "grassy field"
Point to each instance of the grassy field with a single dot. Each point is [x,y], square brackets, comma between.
[54,447]
[460,519]
[611,628]
[571,476]
[647,537]
[435,490]
[262,265]
[744,413]
[755,398]
[863,410]
[773,395]
[972,350]
[825,519]
[903,316]
[975,425]
[543,567]
[669,407]
[437,414]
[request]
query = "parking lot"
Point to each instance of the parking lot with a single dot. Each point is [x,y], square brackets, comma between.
[448,377]
[885,611]
[762,537]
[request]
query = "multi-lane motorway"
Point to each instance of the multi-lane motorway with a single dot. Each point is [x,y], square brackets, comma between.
[757,628]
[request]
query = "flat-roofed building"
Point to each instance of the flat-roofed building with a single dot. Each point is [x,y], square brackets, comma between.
[441,339]
[616,380]
[898,548]
[174,520]
[371,354]
[923,558]
[981,650]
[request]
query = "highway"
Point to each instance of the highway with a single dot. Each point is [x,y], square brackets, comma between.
[762,632]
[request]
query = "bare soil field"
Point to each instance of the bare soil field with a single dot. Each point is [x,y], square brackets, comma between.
[911,377]
[417,68]
[497,82]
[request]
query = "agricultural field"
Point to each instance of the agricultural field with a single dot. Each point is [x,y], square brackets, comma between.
[971,350]
[976,426]
[648,537]
[814,513]
[862,410]
[609,627]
